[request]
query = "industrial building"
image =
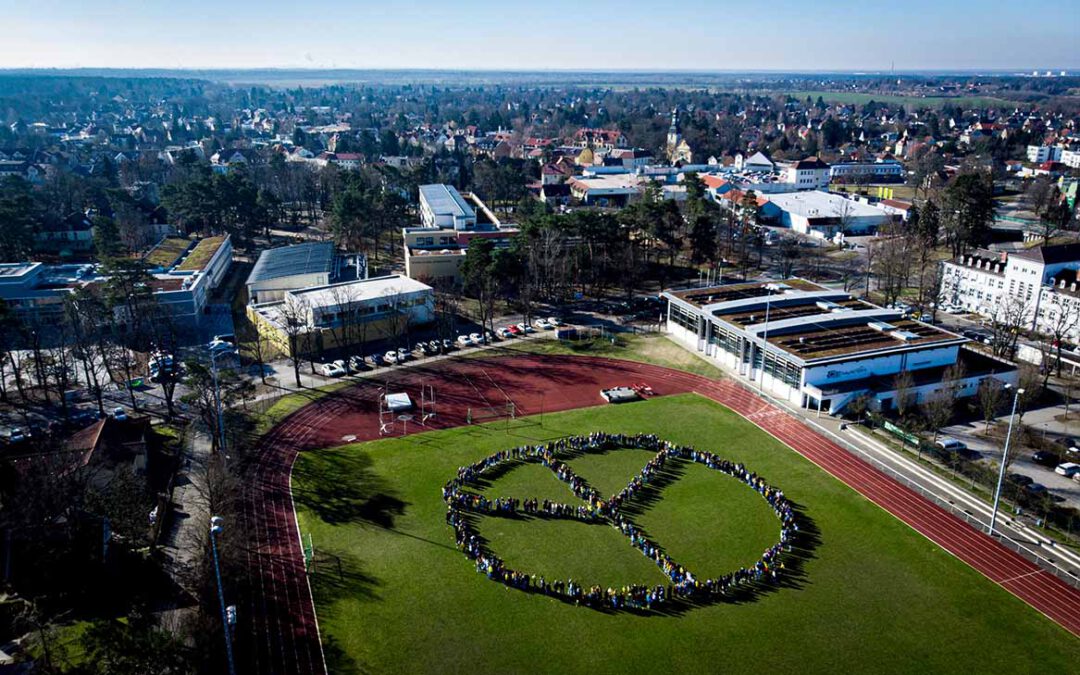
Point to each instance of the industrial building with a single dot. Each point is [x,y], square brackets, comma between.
[820,348]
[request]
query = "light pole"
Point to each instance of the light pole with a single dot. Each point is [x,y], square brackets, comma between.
[765,338]
[1004,458]
[217,394]
[215,529]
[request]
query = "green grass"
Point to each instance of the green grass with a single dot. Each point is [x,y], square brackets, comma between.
[290,403]
[201,254]
[166,253]
[860,98]
[871,595]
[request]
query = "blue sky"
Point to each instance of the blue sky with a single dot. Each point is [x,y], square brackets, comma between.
[540,35]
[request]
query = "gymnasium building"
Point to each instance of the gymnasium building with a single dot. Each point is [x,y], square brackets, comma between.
[820,348]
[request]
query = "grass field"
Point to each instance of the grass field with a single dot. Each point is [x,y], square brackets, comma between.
[866,594]
[861,98]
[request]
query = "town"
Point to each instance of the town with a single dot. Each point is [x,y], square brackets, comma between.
[203,282]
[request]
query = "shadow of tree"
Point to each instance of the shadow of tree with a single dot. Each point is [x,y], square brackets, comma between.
[340,486]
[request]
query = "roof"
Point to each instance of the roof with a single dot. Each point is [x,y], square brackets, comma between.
[445,200]
[287,261]
[810,163]
[360,290]
[820,204]
[1051,255]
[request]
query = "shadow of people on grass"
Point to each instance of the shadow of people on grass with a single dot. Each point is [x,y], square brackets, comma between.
[340,486]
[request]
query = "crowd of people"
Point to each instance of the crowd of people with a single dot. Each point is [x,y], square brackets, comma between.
[683,583]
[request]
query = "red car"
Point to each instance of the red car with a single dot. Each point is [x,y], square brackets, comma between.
[514,330]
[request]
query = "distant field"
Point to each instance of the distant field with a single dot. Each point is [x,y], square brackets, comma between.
[860,98]
[867,595]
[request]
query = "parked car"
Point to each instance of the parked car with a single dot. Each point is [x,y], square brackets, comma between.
[1035,488]
[434,346]
[391,356]
[1020,479]
[422,349]
[491,337]
[16,435]
[227,337]
[377,360]
[1046,458]
[504,333]
[514,329]
[554,321]
[464,340]
[357,364]
[403,355]
[447,345]
[119,414]
[221,346]
[1067,469]
[332,369]
[949,443]
[475,338]
[542,324]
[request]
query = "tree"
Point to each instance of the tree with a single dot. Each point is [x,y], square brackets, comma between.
[1007,320]
[703,243]
[903,385]
[968,210]
[991,396]
[18,217]
[480,278]
[293,315]
[204,397]
[107,240]
[786,254]
[114,647]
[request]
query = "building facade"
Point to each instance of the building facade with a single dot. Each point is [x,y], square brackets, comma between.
[820,349]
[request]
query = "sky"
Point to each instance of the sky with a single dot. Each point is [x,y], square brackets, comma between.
[807,35]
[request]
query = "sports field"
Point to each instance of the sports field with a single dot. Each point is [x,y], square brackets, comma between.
[864,592]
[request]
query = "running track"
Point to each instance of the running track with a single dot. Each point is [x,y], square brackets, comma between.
[281,636]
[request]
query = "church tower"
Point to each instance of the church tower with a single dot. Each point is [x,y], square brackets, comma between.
[678,150]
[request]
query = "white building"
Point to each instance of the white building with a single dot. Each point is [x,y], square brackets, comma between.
[822,214]
[881,171]
[1037,154]
[816,347]
[758,161]
[1070,157]
[808,174]
[1041,283]
[443,206]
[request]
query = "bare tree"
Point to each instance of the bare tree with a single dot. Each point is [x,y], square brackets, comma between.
[785,255]
[904,385]
[294,316]
[991,395]
[1007,320]
[1062,317]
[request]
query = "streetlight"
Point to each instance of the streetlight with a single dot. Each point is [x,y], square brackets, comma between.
[214,354]
[765,336]
[227,618]
[1004,457]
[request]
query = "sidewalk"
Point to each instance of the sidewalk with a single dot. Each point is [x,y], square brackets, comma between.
[183,545]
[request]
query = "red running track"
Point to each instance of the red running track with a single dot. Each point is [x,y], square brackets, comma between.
[283,635]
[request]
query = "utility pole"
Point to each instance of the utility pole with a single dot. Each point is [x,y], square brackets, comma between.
[1004,458]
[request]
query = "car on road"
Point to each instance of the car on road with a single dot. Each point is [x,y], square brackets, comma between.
[391,356]
[464,340]
[357,364]
[119,414]
[514,329]
[1067,469]
[504,333]
[1046,458]
[542,324]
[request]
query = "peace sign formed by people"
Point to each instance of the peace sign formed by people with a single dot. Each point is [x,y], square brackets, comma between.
[591,507]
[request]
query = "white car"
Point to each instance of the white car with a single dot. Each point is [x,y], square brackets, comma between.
[403,355]
[1068,469]
[221,346]
[526,328]
[332,370]
[504,334]
[391,356]
[542,324]
[464,340]
[476,338]
[554,321]
[119,414]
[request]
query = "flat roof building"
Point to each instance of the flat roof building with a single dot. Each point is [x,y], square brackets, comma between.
[822,214]
[813,346]
[443,206]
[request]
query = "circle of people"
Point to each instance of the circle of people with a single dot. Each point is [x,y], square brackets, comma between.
[595,508]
